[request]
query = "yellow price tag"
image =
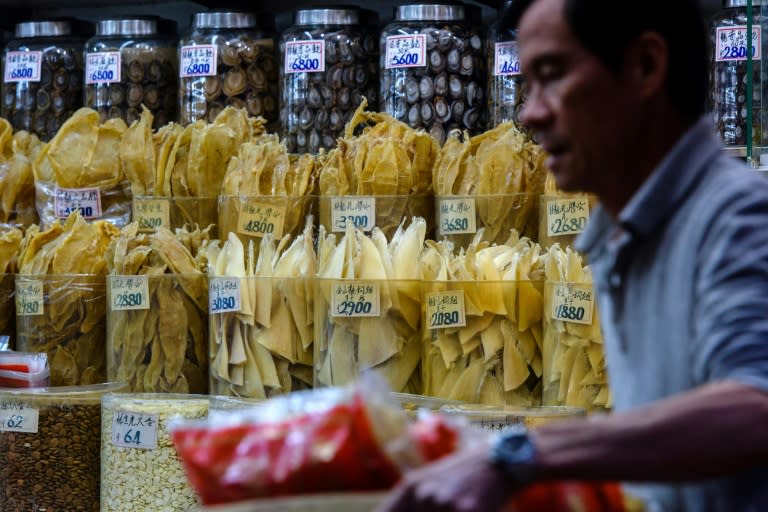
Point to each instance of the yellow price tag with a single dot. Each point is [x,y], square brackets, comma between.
[151,214]
[567,216]
[356,299]
[573,303]
[445,309]
[29,297]
[261,218]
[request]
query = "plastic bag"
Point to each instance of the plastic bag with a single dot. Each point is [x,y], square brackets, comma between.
[24,370]
[110,203]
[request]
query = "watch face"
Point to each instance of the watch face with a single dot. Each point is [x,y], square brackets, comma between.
[514,454]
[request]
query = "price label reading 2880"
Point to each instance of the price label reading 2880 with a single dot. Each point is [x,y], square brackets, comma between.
[128,293]
[355,299]
[305,56]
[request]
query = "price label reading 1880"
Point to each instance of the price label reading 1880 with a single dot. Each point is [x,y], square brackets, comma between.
[506,62]
[86,201]
[18,417]
[22,66]
[29,297]
[198,60]
[456,216]
[357,211]
[731,43]
[151,214]
[445,309]
[224,294]
[355,299]
[259,219]
[128,292]
[102,68]
[134,430]
[573,303]
[305,56]
[406,51]
[567,216]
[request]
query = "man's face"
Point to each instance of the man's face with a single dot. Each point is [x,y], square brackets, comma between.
[577,107]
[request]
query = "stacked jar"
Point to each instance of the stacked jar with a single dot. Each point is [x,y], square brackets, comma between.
[328,64]
[42,79]
[228,58]
[505,83]
[433,70]
[130,64]
[728,74]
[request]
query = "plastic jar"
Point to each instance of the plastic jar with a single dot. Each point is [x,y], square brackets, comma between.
[505,83]
[228,58]
[728,74]
[42,76]
[130,63]
[433,70]
[327,65]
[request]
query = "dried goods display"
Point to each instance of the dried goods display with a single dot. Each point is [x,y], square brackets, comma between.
[130,65]
[157,330]
[389,162]
[484,331]
[17,183]
[368,307]
[43,77]
[574,360]
[261,327]
[328,66]
[140,469]
[505,82]
[10,241]
[61,298]
[228,59]
[433,70]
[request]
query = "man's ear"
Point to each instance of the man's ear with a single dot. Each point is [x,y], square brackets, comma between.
[645,63]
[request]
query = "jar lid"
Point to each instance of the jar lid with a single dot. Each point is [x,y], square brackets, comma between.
[740,3]
[224,19]
[327,16]
[128,26]
[44,28]
[429,12]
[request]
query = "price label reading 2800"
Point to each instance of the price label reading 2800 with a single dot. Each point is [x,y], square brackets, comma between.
[731,43]
[128,293]
[355,299]
[305,56]
[406,51]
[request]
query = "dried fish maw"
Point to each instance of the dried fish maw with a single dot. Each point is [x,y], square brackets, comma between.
[253,386]
[405,255]
[137,155]
[399,369]
[467,387]
[72,149]
[377,342]
[492,390]
[475,325]
[445,180]
[423,150]
[103,169]
[516,369]
[164,141]
[175,174]
[266,364]
[10,242]
[450,348]
[64,369]
[210,149]
[17,187]
[172,329]
[530,305]
[492,339]
[341,356]
[280,337]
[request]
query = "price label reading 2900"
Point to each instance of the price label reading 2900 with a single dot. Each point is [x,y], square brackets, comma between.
[573,303]
[406,51]
[731,43]
[18,417]
[128,293]
[134,430]
[355,298]
[305,56]
[224,294]
[445,309]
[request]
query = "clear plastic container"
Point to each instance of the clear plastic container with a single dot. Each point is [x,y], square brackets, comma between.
[43,76]
[505,83]
[352,502]
[228,58]
[8,309]
[432,68]
[152,212]
[499,419]
[327,65]
[130,63]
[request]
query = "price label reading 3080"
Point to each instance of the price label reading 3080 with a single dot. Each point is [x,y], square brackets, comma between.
[224,294]
[355,299]
[305,56]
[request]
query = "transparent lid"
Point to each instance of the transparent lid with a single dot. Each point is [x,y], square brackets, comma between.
[152,399]
[411,402]
[508,412]
[327,16]
[50,28]
[740,3]
[224,19]
[429,12]
[128,26]
[66,393]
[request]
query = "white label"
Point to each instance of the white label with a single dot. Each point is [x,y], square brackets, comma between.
[87,201]
[22,66]
[29,297]
[102,68]
[134,430]
[224,294]
[445,309]
[506,62]
[305,56]
[573,303]
[18,417]
[357,211]
[731,43]
[128,292]
[355,299]
[567,216]
[198,60]
[151,214]
[406,51]
[259,219]
[457,216]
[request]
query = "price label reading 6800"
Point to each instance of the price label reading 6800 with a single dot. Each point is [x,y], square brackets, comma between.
[305,56]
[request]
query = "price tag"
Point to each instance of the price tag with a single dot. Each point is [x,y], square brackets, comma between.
[567,216]
[457,216]
[102,68]
[506,62]
[134,430]
[151,214]
[198,60]
[258,219]
[29,297]
[224,294]
[87,201]
[305,56]
[18,417]
[445,310]
[358,211]
[573,303]
[128,292]
[731,43]
[406,51]
[355,299]
[22,66]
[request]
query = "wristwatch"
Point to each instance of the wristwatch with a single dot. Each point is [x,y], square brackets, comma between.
[514,454]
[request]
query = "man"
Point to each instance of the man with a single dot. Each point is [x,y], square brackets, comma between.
[679,251]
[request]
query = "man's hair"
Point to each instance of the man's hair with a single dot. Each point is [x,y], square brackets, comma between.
[607,35]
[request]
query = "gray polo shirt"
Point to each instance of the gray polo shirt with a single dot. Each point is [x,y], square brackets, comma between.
[682,286]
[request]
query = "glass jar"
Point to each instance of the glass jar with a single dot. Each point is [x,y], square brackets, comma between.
[505,83]
[130,63]
[228,58]
[328,63]
[728,74]
[433,70]
[43,76]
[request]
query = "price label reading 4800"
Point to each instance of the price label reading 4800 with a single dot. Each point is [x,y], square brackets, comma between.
[128,293]
[18,417]
[134,430]
[259,219]
[355,299]
[573,303]
[305,56]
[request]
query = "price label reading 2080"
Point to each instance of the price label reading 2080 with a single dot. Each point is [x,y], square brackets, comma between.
[305,56]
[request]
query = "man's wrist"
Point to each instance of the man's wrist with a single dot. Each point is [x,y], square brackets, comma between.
[514,455]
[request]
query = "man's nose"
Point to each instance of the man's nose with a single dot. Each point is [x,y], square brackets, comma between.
[535,113]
